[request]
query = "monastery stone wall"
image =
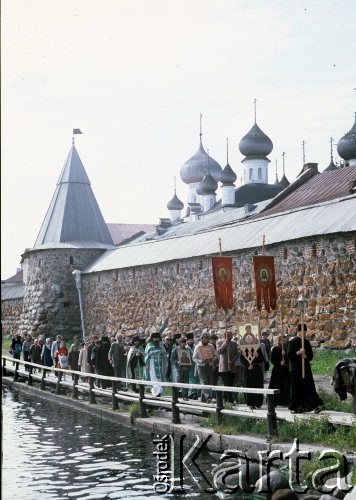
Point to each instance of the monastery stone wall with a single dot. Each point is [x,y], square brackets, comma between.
[51,304]
[322,268]
[11,316]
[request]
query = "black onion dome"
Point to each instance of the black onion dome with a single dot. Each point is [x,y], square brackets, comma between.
[255,143]
[330,167]
[346,146]
[175,203]
[196,167]
[228,176]
[208,185]
[284,182]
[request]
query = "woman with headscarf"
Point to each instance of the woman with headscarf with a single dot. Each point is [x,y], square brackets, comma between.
[135,361]
[155,363]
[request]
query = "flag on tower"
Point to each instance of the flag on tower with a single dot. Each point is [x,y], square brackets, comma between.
[77,131]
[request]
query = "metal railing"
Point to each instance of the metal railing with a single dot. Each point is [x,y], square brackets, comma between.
[141,398]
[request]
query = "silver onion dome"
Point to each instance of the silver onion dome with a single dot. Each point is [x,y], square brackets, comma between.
[255,143]
[175,203]
[196,167]
[346,146]
[208,185]
[228,176]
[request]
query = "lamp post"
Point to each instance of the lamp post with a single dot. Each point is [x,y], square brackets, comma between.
[302,306]
[78,283]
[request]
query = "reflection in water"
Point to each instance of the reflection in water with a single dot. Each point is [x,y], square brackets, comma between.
[51,451]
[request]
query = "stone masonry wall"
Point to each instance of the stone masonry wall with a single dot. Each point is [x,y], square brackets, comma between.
[11,316]
[51,304]
[322,268]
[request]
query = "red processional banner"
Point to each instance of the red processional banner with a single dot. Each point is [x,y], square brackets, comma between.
[222,274]
[265,282]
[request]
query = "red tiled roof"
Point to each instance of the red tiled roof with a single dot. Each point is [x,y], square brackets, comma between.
[123,232]
[319,188]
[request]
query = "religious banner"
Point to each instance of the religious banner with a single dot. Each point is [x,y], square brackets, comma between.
[222,275]
[249,342]
[265,282]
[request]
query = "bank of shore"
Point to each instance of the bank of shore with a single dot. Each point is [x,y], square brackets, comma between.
[161,425]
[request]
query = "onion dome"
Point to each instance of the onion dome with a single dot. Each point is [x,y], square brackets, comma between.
[196,167]
[175,203]
[346,146]
[284,182]
[208,185]
[331,166]
[255,143]
[228,176]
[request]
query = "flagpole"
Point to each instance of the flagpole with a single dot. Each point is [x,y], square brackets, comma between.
[225,310]
[302,305]
[282,319]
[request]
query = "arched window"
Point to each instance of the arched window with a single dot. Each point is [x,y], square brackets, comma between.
[71,260]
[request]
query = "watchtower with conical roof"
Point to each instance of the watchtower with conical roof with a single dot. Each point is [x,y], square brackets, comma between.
[72,235]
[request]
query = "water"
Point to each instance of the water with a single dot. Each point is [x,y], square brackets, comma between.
[51,451]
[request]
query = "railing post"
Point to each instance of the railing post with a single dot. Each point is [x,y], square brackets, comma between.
[143,412]
[219,405]
[271,416]
[30,370]
[16,374]
[92,399]
[43,381]
[175,409]
[115,403]
[4,367]
[75,388]
[58,384]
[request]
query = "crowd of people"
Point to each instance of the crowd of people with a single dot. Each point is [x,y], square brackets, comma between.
[208,358]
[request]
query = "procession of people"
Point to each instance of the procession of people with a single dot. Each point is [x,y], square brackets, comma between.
[212,357]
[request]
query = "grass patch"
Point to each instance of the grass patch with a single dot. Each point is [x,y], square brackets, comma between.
[6,344]
[324,360]
[308,468]
[333,402]
[317,430]
[134,411]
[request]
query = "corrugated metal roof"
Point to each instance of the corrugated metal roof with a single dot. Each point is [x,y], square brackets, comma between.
[122,232]
[212,220]
[74,214]
[10,292]
[329,217]
[16,278]
[321,187]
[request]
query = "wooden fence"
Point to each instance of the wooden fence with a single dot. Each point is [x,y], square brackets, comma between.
[38,373]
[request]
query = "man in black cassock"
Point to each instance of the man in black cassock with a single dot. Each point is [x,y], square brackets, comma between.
[304,397]
[253,378]
[280,373]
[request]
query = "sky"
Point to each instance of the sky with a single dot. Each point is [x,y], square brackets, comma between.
[134,75]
